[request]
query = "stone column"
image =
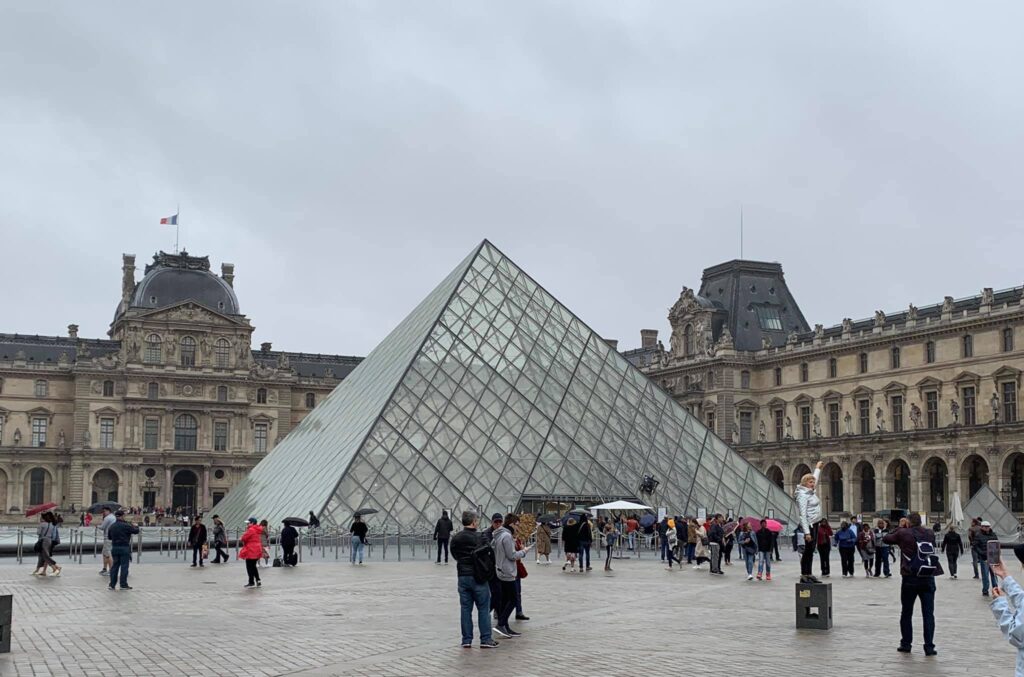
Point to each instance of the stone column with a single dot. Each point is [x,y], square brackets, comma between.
[168,494]
[13,496]
[87,485]
[849,487]
[205,496]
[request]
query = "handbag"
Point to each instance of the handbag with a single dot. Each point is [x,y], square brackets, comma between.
[38,547]
[521,569]
[206,550]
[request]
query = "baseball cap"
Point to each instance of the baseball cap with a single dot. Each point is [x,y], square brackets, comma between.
[986,523]
[253,520]
[497,517]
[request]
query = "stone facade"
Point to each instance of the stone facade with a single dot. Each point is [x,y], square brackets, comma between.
[171,411]
[904,408]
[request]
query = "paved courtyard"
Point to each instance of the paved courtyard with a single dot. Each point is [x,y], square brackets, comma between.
[328,618]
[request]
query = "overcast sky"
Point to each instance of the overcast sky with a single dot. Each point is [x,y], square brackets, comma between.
[346,155]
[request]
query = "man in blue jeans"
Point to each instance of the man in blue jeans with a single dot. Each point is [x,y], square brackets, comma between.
[120,535]
[914,587]
[471,591]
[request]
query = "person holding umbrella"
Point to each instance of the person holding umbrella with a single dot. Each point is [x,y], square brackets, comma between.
[810,518]
[289,536]
[358,530]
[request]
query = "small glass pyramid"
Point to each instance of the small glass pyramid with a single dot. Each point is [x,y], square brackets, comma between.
[491,393]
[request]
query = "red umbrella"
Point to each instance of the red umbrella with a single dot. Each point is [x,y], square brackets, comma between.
[40,508]
[755,523]
[773,525]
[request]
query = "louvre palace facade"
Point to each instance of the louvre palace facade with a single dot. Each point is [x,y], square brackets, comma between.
[905,407]
[171,410]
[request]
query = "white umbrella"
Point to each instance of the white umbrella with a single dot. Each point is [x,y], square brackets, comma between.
[620,505]
[957,515]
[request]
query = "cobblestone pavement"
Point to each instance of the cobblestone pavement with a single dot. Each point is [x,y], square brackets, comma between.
[329,618]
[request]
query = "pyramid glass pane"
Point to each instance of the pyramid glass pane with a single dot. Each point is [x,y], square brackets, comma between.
[489,392]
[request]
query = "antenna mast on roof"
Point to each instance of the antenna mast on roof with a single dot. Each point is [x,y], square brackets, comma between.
[741,232]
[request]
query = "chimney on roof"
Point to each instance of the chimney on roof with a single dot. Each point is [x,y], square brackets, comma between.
[227,272]
[73,331]
[127,277]
[265,347]
[614,343]
[648,338]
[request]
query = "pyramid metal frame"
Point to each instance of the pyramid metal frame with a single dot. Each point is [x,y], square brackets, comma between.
[489,391]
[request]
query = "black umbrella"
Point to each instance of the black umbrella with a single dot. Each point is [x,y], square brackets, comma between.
[98,507]
[648,520]
[365,511]
[579,511]
[549,517]
[295,522]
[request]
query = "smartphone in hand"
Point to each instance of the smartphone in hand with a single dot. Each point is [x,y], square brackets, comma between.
[993,553]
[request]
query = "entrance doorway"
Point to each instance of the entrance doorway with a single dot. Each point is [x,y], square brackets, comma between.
[185,490]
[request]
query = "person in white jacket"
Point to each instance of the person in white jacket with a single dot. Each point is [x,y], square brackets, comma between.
[1008,608]
[810,516]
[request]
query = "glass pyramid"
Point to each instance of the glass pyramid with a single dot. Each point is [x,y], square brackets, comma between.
[985,505]
[490,392]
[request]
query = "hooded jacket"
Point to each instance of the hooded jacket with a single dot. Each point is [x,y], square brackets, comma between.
[443,529]
[252,545]
[809,503]
[505,555]
[1009,612]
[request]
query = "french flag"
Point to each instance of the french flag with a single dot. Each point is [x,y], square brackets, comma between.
[169,220]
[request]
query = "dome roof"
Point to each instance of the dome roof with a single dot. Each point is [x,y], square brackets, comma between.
[175,278]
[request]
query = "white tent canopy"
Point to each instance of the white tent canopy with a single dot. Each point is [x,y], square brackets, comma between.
[620,505]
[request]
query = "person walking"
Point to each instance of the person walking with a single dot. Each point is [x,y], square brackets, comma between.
[825,534]
[918,583]
[632,529]
[846,541]
[220,541]
[544,542]
[265,543]
[765,543]
[1008,608]
[810,519]
[505,556]
[691,539]
[662,539]
[442,533]
[866,547]
[47,536]
[972,531]
[748,548]
[120,533]
[953,546]
[980,547]
[197,539]
[716,536]
[252,552]
[700,551]
[610,537]
[289,537]
[586,539]
[882,549]
[108,521]
[672,539]
[357,531]
[472,590]
[570,543]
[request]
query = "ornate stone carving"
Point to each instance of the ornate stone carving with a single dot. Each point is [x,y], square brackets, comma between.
[848,421]
[994,403]
[766,342]
[791,339]
[725,340]
[847,325]
[915,416]
[987,296]
[789,428]
[819,331]
[947,305]
[762,435]
[879,319]
[954,410]
[912,312]
[817,426]
[879,420]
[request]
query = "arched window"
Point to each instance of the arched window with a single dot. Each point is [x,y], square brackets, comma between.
[688,340]
[222,393]
[222,353]
[310,400]
[185,429]
[188,351]
[261,396]
[36,486]
[108,389]
[154,349]
[42,388]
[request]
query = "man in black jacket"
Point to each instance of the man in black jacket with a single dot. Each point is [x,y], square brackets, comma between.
[442,532]
[716,536]
[120,535]
[471,591]
[914,587]
[980,548]
[289,536]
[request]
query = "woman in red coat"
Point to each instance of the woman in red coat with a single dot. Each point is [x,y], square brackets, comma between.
[252,551]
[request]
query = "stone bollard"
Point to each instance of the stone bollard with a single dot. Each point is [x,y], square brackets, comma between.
[814,606]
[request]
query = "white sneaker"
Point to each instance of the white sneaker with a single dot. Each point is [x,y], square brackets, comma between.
[697,567]
[750,578]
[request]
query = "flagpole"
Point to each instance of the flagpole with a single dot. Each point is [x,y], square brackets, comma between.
[177,227]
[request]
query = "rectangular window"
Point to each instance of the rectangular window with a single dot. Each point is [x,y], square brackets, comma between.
[895,358]
[780,429]
[1,430]
[968,346]
[106,433]
[151,434]
[1008,340]
[42,388]
[833,419]
[746,427]
[897,413]
[931,405]
[929,352]
[108,389]
[220,436]
[1009,402]
[769,318]
[863,363]
[833,369]
[864,416]
[970,413]
[39,432]
[778,376]
[260,438]
[744,379]
[804,372]
[153,391]
[805,422]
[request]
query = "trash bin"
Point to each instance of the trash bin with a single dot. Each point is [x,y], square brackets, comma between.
[6,602]
[814,606]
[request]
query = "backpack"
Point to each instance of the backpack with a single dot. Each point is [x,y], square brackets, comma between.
[925,562]
[483,563]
